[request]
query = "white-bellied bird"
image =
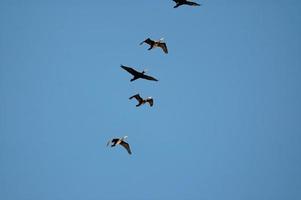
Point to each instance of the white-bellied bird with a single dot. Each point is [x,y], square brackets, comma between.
[141,101]
[120,141]
[153,44]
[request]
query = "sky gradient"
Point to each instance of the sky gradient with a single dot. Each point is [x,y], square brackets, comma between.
[226,117]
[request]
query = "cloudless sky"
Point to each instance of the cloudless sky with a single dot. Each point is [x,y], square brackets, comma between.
[226,120]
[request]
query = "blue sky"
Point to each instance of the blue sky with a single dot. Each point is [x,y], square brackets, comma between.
[226,118]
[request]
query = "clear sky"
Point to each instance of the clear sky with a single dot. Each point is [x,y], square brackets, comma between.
[226,121]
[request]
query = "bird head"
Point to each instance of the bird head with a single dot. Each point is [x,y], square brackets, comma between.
[161,40]
[145,70]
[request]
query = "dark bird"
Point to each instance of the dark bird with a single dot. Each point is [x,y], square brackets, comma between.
[137,74]
[184,2]
[153,44]
[142,101]
[120,141]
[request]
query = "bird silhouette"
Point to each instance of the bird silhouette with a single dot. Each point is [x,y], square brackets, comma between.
[120,141]
[137,74]
[141,101]
[153,44]
[185,2]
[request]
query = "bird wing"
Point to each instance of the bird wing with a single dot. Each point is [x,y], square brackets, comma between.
[148,41]
[148,77]
[150,101]
[163,47]
[192,3]
[115,140]
[112,141]
[126,146]
[137,97]
[129,70]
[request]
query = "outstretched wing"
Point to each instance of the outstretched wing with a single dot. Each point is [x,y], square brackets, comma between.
[163,47]
[113,142]
[137,97]
[150,101]
[148,41]
[148,77]
[129,70]
[126,146]
[192,3]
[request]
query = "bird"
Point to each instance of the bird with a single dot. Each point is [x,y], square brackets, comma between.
[185,2]
[137,74]
[120,141]
[141,101]
[158,43]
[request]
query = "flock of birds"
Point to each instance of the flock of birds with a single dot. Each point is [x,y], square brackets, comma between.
[141,75]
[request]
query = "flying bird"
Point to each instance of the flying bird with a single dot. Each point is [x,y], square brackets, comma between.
[120,141]
[184,2]
[137,74]
[141,101]
[154,44]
